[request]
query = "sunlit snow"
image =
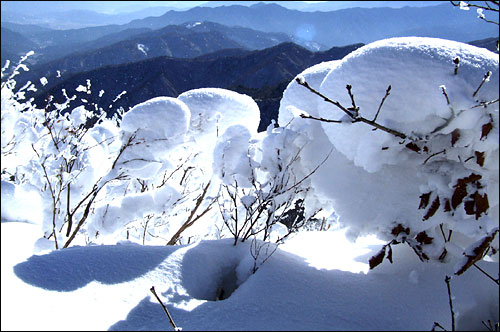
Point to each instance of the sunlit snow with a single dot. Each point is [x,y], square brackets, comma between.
[171,160]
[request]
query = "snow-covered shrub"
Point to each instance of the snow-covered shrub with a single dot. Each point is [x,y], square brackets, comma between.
[415,155]
[155,201]
[66,154]
[264,188]
[181,134]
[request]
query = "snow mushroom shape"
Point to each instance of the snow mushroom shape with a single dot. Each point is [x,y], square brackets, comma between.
[231,156]
[159,124]
[417,69]
[214,110]
[372,180]
[167,117]
[297,100]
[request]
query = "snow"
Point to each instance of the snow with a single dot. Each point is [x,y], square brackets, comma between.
[107,287]
[143,48]
[366,167]
[425,203]
[213,110]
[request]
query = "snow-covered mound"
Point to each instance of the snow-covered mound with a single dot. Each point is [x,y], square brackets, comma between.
[213,110]
[416,69]
[110,285]
[443,170]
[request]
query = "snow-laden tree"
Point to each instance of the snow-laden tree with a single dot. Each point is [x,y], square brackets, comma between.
[65,156]
[147,174]
[413,123]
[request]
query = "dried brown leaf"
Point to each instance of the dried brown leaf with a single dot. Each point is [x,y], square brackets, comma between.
[455,135]
[482,204]
[423,238]
[479,158]
[433,209]
[461,189]
[485,129]
[377,259]
[424,200]
[412,146]
[398,229]
[469,179]
[477,253]
[477,205]
[447,205]
[458,195]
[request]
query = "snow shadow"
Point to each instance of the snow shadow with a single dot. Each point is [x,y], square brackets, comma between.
[224,269]
[146,316]
[278,283]
[72,268]
[296,296]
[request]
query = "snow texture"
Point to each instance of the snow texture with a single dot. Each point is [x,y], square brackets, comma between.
[110,285]
[372,179]
[370,187]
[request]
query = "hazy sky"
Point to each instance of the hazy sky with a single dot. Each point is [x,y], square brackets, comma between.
[112,7]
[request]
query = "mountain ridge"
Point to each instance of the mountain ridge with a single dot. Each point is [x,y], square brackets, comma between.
[260,71]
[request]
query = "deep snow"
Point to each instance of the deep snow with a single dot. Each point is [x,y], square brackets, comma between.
[317,281]
[369,183]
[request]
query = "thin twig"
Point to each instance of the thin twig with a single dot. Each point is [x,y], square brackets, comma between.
[354,108]
[485,78]
[443,88]
[355,118]
[433,155]
[456,61]
[436,324]
[447,280]
[191,219]
[152,289]
[307,116]
[484,104]
[496,281]
[387,93]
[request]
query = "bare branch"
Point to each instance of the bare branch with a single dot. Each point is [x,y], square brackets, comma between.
[354,108]
[443,88]
[191,219]
[496,281]
[350,114]
[171,320]
[304,116]
[485,104]
[387,93]
[456,61]
[485,79]
[433,155]
[447,280]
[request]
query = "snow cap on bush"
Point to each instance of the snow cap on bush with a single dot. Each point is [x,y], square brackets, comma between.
[441,173]
[417,69]
[164,117]
[213,110]
[158,125]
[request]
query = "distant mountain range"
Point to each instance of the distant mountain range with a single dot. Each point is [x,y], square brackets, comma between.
[313,30]
[179,41]
[262,74]
[340,27]
[187,40]
[255,49]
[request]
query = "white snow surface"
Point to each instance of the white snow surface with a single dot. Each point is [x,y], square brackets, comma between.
[143,48]
[306,285]
[364,182]
[363,177]
[416,68]
[213,110]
